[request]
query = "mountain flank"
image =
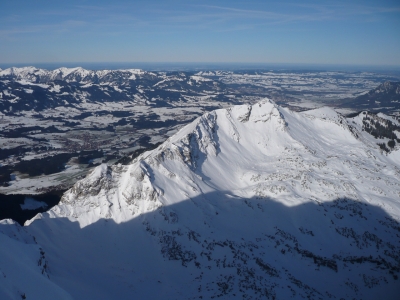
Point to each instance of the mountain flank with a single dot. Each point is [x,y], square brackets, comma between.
[385,97]
[249,202]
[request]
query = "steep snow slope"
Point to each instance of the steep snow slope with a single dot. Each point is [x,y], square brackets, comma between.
[249,202]
[23,266]
[248,151]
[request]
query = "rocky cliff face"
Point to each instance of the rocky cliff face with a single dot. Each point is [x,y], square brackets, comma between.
[251,202]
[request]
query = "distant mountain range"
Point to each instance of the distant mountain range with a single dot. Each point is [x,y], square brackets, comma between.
[30,88]
[57,124]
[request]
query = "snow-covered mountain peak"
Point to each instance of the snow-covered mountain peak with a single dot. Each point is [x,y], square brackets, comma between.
[133,71]
[323,113]
[23,72]
[251,151]
[242,202]
[76,74]
[66,71]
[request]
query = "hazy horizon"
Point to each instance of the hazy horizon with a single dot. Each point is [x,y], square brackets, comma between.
[195,66]
[311,32]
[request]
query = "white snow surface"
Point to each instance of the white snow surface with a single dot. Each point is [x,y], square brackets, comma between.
[199,78]
[225,150]
[248,202]
[23,270]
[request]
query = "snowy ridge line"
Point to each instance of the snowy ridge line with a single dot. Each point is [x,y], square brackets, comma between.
[297,154]
[78,74]
[250,202]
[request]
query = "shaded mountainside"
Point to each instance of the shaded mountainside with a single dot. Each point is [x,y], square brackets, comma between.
[251,202]
[248,248]
[386,97]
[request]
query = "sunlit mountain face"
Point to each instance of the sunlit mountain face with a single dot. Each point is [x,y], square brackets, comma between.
[199,150]
[252,201]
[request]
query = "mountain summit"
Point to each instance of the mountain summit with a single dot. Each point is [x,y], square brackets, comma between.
[251,202]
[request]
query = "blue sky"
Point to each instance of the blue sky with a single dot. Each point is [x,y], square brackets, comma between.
[310,32]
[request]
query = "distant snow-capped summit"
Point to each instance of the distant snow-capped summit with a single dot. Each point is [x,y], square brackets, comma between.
[77,74]
[73,87]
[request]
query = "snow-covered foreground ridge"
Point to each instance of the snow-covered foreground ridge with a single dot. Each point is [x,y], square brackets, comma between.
[260,151]
[249,202]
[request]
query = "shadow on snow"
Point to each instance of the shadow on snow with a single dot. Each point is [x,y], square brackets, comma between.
[219,245]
